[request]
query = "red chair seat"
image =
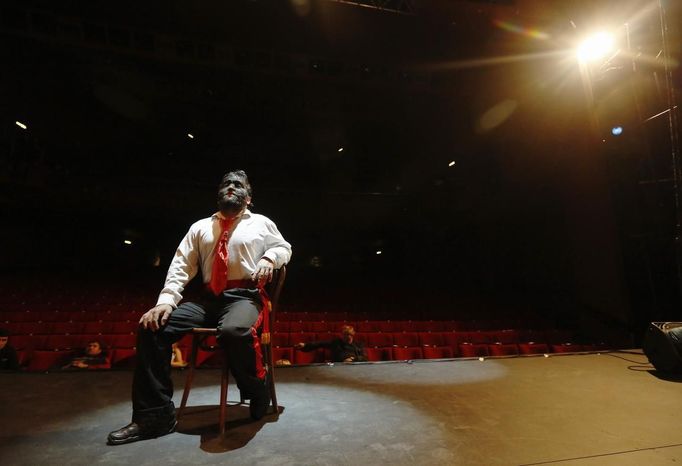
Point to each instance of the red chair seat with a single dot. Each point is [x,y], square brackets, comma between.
[407,353]
[45,360]
[437,352]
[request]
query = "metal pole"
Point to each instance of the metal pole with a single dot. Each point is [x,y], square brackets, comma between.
[674,138]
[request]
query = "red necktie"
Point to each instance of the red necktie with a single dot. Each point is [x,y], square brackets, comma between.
[220,258]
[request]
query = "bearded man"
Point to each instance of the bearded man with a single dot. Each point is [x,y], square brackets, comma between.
[236,251]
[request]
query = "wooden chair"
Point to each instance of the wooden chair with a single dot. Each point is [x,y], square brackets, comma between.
[273,289]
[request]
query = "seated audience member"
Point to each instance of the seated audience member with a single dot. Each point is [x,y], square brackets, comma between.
[176,357]
[92,357]
[8,355]
[343,349]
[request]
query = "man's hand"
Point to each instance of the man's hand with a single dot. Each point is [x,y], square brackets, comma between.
[299,345]
[263,273]
[349,359]
[156,317]
[80,364]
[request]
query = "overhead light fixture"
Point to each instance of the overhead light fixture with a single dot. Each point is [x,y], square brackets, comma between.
[190,135]
[451,164]
[128,242]
[340,149]
[20,124]
[595,47]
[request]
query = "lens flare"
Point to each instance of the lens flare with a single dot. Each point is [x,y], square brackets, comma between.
[521,30]
[595,47]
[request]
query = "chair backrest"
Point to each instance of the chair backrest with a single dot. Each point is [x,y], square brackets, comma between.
[274,289]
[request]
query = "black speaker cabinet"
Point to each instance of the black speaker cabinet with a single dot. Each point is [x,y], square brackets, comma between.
[663,346]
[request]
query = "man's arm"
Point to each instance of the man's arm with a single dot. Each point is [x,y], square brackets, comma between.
[182,269]
[313,345]
[277,253]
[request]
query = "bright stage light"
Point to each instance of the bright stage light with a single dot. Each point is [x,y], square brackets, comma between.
[617,130]
[595,47]
[20,124]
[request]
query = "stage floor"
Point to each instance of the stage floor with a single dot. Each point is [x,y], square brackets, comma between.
[593,409]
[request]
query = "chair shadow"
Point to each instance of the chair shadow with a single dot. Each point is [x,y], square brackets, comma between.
[667,376]
[239,430]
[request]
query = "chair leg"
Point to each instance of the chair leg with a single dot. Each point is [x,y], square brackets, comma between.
[190,375]
[271,378]
[223,394]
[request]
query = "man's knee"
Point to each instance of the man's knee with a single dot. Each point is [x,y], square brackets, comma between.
[231,332]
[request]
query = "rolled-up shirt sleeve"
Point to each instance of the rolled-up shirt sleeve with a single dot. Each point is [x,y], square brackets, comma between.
[182,269]
[277,249]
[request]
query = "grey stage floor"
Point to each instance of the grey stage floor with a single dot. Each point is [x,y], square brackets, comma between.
[596,409]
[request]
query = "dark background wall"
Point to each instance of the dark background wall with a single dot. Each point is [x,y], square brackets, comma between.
[544,208]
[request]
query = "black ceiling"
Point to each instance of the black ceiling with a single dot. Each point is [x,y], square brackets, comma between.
[110,92]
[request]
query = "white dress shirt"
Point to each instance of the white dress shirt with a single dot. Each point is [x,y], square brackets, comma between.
[254,237]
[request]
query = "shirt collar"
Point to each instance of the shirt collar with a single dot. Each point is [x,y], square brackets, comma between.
[219,216]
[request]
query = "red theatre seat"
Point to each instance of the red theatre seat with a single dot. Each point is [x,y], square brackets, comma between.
[281,326]
[368,326]
[97,327]
[81,316]
[566,348]
[124,341]
[210,358]
[129,326]
[473,350]
[537,336]
[301,337]
[315,326]
[532,347]
[437,352]
[406,339]
[388,326]
[431,339]
[32,328]
[282,353]
[506,336]
[123,357]
[280,339]
[379,354]
[45,360]
[67,327]
[295,326]
[62,342]
[284,316]
[378,340]
[325,336]
[308,357]
[185,341]
[481,337]
[424,326]
[402,354]
[21,342]
[503,349]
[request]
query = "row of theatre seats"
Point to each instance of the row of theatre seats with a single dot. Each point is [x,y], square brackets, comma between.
[41,352]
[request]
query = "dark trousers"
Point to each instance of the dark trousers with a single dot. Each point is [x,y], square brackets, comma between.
[236,314]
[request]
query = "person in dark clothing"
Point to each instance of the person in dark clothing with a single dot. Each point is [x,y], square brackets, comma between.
[92,357]
[343,349]
[8,355]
